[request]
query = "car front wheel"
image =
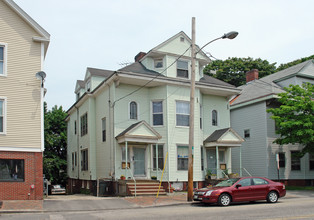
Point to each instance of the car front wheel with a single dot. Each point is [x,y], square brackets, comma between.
[272,197]
[224,199]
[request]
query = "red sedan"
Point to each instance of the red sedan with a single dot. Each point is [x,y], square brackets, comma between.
[241,189]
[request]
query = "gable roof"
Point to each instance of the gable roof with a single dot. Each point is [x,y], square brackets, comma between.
[139,132]
[99,72]
[44,35]
[138,67]
[182,33]
[211,80]
[299,69]
[266,87]
[255,90]
[224,137]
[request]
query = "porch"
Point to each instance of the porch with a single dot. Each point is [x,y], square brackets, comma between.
[218,152]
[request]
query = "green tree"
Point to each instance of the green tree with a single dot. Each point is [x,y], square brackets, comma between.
[295,62]
[294,118]
[55,154]
[233,70]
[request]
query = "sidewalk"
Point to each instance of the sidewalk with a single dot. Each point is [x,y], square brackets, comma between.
[90,203]
[80,202]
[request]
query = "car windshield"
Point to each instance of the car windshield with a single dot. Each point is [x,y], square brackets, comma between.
[228,182]
[57,186]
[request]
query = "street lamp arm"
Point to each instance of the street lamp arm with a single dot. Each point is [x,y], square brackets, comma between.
[207,44]
[230,35]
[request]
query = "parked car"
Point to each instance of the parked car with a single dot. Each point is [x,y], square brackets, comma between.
[57,189]
[241,189]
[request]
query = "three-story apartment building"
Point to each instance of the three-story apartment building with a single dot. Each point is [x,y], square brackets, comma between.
[138,116]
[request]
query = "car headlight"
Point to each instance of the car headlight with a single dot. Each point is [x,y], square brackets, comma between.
[208,192]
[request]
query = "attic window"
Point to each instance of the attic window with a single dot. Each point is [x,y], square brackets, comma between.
[182,39]
[158,63]
[88,86]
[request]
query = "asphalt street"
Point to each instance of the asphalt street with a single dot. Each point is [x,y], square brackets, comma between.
[297,206]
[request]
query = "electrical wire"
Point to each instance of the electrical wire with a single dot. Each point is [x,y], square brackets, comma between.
[159,74]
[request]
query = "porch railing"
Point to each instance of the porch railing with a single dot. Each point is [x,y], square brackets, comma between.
[223,173]
[133,180]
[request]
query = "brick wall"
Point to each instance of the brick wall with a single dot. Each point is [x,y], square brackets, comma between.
[33,174]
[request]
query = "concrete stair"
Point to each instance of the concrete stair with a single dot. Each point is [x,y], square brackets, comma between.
[144,188]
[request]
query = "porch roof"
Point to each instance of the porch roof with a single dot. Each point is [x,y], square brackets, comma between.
[140,132]
[224,137]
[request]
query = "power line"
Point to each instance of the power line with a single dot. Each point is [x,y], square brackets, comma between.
[159,74]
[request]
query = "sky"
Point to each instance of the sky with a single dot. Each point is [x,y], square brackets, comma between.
[104,34]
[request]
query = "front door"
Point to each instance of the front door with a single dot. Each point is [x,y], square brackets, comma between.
[139,161]
[211,160]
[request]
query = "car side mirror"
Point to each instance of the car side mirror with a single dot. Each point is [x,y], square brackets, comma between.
[238,186]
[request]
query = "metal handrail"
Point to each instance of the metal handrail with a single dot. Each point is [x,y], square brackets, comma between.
[133,180]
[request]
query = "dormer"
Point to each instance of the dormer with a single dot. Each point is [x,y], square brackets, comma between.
[172,58]
[79,89]
[93,77]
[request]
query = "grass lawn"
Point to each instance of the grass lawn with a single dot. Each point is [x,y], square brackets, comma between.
[300,188]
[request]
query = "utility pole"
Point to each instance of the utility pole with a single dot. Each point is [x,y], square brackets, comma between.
[191,122]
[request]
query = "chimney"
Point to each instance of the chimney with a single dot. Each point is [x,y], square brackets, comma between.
[251,75]
[139,56]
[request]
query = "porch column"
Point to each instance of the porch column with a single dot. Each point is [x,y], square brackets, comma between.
[241,160]
[217,161]
[126,158]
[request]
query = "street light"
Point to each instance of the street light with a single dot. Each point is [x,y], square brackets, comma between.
[230,35]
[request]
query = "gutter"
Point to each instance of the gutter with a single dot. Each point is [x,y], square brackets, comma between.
[250,102]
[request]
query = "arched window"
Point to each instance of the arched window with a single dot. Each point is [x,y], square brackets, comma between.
[214,118]
[133,110]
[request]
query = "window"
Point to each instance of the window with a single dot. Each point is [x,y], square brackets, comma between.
[84,128]
[157,113]
[75,158]
[182,39]
[158,63]
[282,159]
[183,157]
[11,170]
[311,162]
[103,122]
[258,181]
[84,161]
[133,110]
[245,182]
[214,118]
[295,160]
[201,117]
[247,133]
[160,156]
[2,60]
[88,86]
[182,113]
[202,158]
[221,156]
[75,127]
[73,161]
[2,112]
[182,69]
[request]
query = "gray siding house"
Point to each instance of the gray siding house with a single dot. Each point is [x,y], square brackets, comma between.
[250,119]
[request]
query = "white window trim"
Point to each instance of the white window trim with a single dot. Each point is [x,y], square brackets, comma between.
[5,58]
[181,145]
[217,122]
[181,126]
[189,69]
[4,115]
[137,113]
[151,112]
[153,147]
[156,60]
